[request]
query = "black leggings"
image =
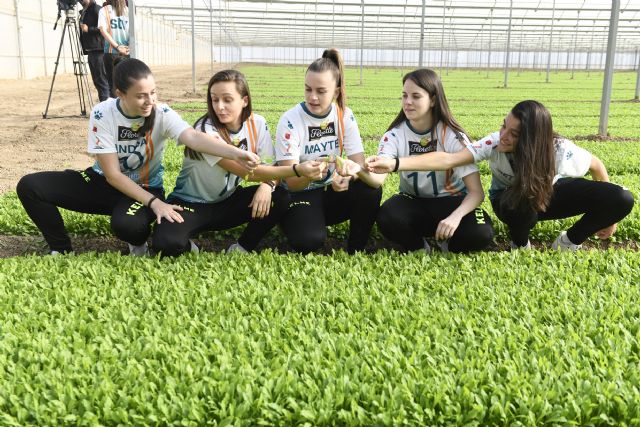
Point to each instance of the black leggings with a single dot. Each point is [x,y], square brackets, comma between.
[601,203]
[172,238]
[42,193]
[311,211]
[405,219]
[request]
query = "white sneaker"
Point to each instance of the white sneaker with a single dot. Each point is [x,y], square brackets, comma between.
[235,247]
[194,248]
[140,250]
[563,243]
[443,245]
[525,247]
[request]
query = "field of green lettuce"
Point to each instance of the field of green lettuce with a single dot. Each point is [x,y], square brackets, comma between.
[522,338]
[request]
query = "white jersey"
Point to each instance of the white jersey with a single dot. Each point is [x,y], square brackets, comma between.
[117,26]
[403,141]
[204,181]
[302,136]
[140,155]
[571,160]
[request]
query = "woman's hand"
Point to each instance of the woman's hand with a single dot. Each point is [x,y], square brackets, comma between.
[123,49]
[339,183]
[379,164]
[247,160]
[347,167]
[261,202]
[447,227]
[165,210]
[312,169]
[607,232]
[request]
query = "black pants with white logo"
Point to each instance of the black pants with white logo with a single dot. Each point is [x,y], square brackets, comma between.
[305,224]
[405,219]
[172,238]
[601,204]
[42,193]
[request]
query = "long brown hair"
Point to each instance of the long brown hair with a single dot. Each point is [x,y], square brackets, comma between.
[243,89]
[119,6]
[533,158]
[429,81]
[332,60]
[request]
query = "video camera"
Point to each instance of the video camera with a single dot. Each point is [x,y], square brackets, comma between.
[67,4]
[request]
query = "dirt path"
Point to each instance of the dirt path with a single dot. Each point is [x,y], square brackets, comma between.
[29,143]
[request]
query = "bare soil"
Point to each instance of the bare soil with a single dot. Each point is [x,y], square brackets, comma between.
[30,143]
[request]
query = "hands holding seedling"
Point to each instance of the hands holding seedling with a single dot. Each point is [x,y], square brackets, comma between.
[247,160]
[312,169]
[378,164]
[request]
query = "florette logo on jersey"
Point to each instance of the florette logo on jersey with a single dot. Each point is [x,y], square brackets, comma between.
[240,144]
[136,126]
[324,125]
[127,134]
[317,132]
[422,146]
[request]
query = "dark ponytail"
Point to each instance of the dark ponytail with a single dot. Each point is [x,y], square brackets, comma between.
[332,60]
[125,74]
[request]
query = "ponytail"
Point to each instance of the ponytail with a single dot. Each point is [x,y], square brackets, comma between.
[332,60]
[125,73]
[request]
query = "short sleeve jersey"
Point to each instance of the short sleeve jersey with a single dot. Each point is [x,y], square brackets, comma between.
[117,26]
[404,141]
[302,135]
[204,181]
[571,160]
[140,154]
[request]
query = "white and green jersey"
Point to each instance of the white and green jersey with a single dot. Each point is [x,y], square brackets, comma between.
[140,155]
[571,160]
[204,181]
[117,26]
[404,141]
[302,136]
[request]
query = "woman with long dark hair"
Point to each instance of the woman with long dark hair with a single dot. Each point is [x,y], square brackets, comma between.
[536,176]
[439,204]
[127,136]
[208,187]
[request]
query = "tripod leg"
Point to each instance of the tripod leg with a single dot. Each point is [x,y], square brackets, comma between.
[55,70]
[84,90]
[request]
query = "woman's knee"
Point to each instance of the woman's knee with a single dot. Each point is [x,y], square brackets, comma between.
[169,244]
[308,241]
[130,228]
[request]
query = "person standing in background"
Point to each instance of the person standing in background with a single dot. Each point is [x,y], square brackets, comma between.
[113,22]
[92,45]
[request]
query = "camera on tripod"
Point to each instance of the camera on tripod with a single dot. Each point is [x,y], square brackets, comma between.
[67,4]
[71,30]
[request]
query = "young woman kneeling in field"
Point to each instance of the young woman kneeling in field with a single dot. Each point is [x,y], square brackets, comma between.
[445,204]
[323,127]
[208,187]
[536,176]
[127,135]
